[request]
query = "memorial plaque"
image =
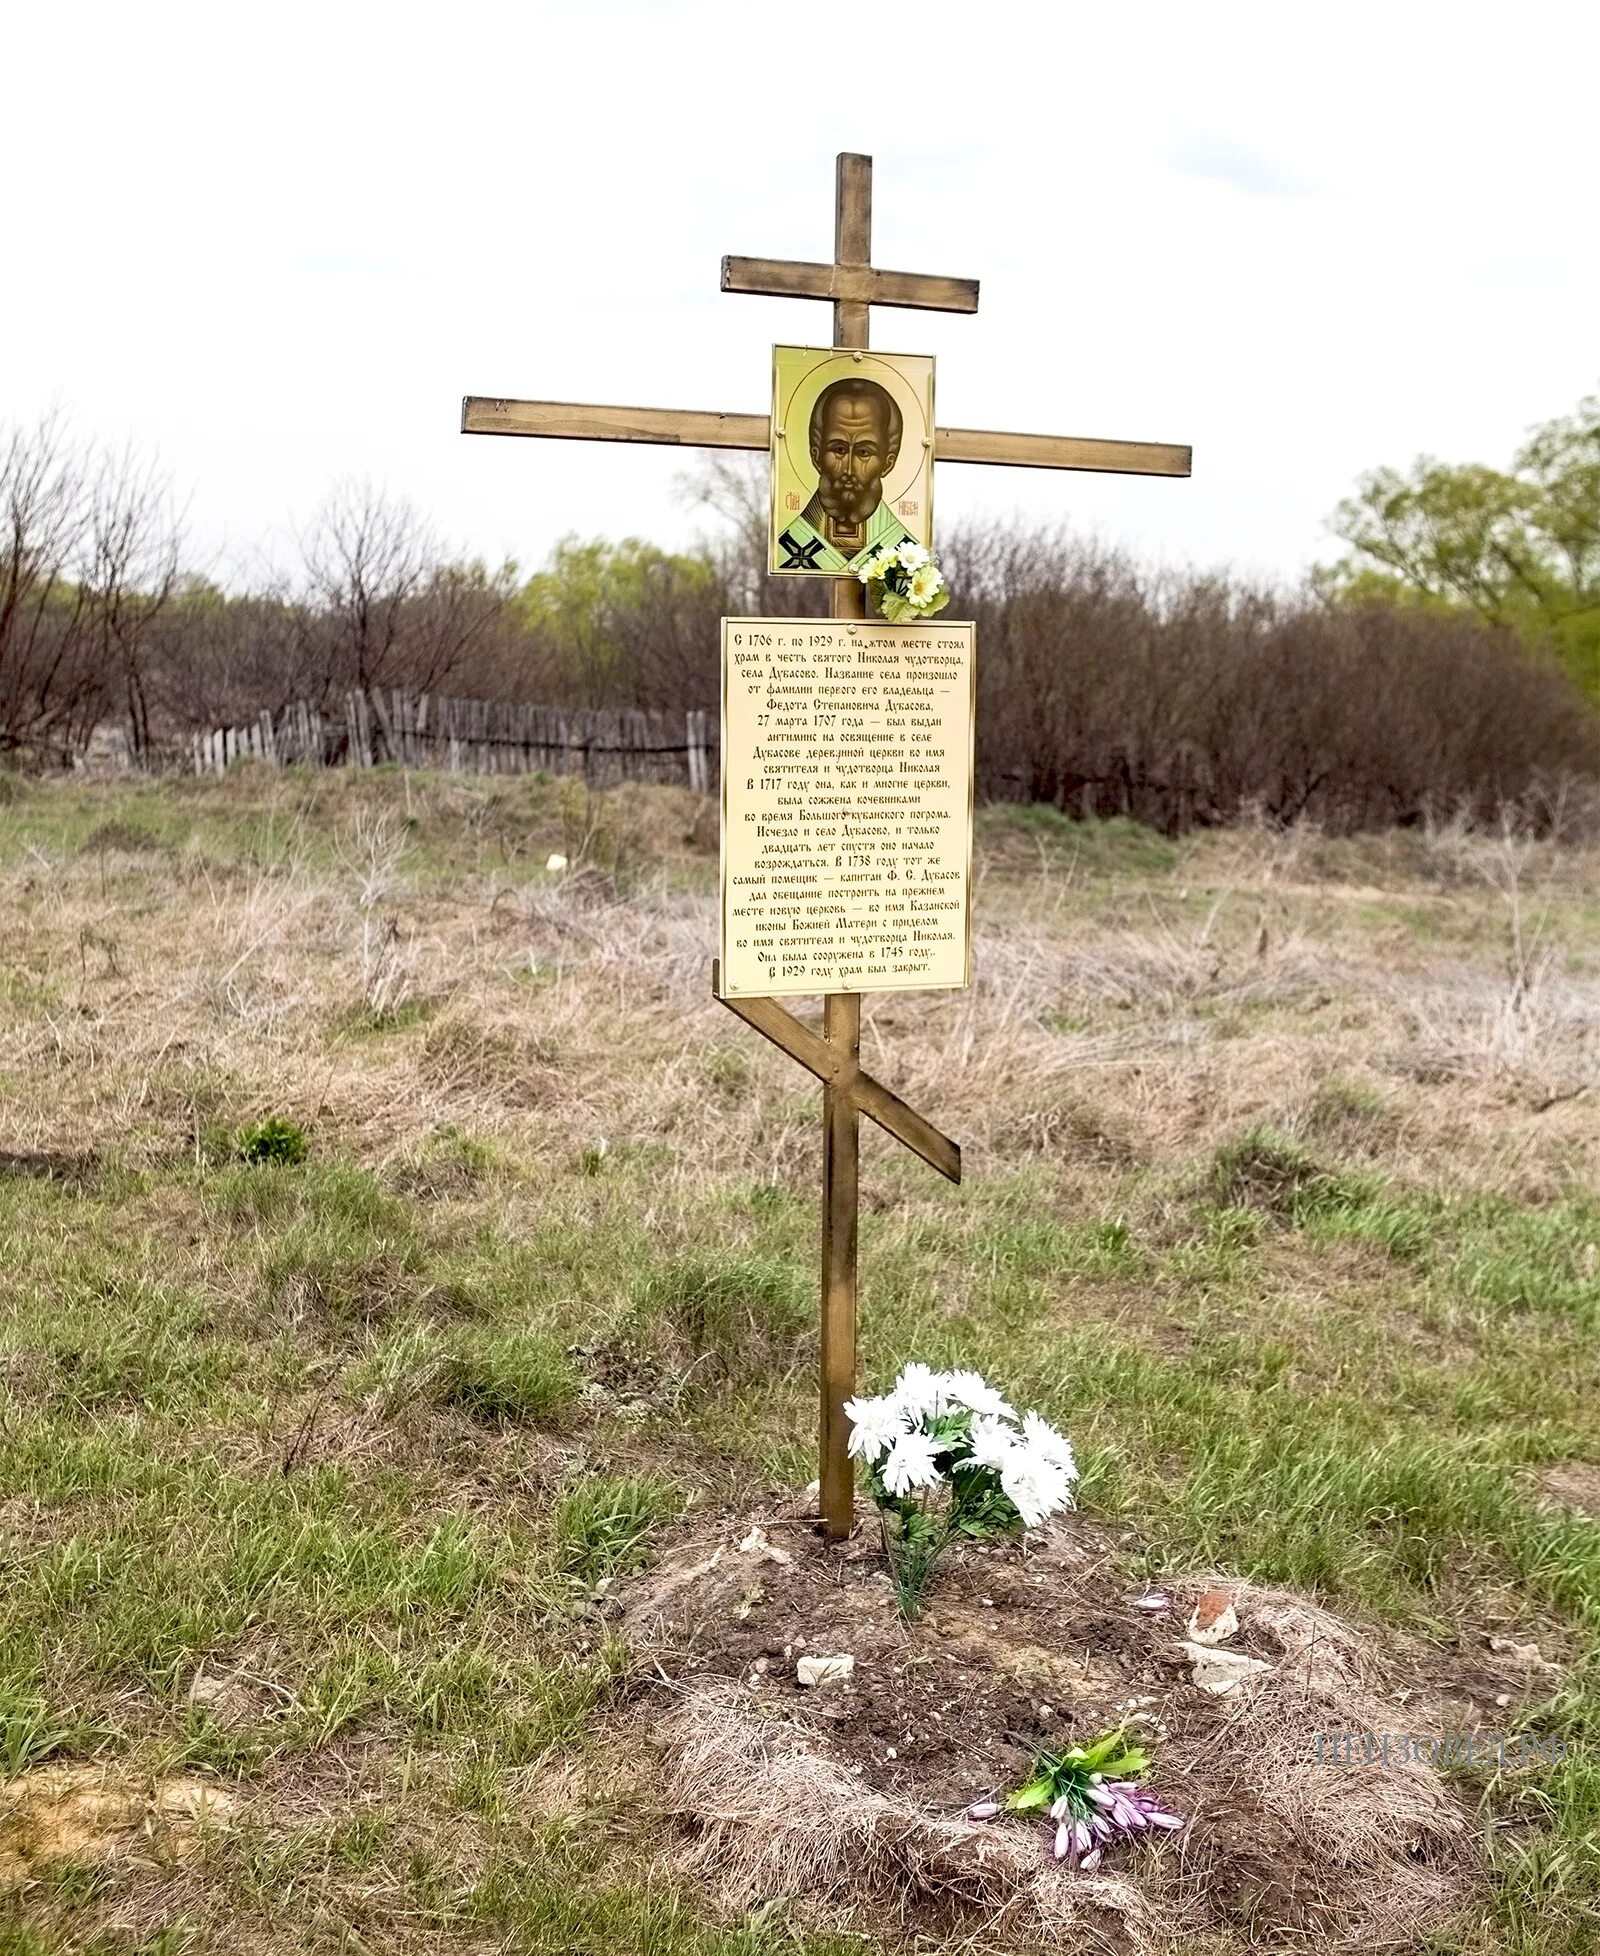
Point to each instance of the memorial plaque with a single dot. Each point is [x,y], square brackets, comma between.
[846,806]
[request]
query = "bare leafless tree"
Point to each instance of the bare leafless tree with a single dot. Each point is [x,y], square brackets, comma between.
[89,548]
[1184,699]
[365,556]
[1176,699]
[225,657]
[380,603]
[131,571]
[458,629]
[734,490]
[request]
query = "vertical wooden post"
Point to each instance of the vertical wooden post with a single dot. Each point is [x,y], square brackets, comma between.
[841,1152]
[841,1022]
[852,242]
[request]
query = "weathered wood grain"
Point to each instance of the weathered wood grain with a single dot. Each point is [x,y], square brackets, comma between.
[775,1022]
[841,1209]
[793,278]
[1061,452]
[483,414]
[907,1125]
[695,428]
[852,242]
[487,736]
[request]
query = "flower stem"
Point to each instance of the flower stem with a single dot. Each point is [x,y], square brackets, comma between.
[911,1558]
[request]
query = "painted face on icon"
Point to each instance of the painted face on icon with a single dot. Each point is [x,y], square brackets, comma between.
[855,439]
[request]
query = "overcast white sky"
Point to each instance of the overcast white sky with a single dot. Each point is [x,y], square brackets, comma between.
[276,244]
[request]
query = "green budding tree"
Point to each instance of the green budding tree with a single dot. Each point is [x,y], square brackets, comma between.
[1520,548]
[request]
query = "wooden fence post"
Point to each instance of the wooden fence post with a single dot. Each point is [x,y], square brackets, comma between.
[604,745]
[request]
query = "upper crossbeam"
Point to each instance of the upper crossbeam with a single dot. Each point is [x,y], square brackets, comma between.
[866,285]
[852,281]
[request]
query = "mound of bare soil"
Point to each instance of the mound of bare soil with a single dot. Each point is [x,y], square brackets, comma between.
[849,1797]
[84,1814]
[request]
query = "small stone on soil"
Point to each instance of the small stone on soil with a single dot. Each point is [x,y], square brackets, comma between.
[812,1671]
[1220,1671]
[1213,1619]
[1528,1655]
[756,1543]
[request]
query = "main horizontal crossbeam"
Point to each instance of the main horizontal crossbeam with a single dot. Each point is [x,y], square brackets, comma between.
[791,278]
[481,414]
[571,421]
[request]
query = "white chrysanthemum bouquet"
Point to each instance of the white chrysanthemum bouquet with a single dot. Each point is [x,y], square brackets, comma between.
[904,582]
[945,1455]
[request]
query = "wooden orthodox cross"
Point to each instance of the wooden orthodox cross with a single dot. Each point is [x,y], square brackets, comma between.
[854,285]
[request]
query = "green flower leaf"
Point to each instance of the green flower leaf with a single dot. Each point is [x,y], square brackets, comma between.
[1037,1793]
[1131,1764]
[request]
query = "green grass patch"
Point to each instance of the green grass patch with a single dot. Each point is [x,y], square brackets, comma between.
[365,1021]
[567,1897]
[350,1437]
[1028,1246]
[275,1139]
[1115,846]
[747,1308]
[518,1377]
[603,1523]
[1261,1170]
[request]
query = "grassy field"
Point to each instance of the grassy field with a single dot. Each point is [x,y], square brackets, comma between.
[1282,1159]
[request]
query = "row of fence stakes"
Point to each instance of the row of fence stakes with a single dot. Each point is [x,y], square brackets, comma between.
[473,737]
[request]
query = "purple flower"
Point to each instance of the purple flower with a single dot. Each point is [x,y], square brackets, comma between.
[1146,1811]
[1089,1813]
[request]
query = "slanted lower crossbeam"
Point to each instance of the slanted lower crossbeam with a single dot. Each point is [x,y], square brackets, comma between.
[837,1069]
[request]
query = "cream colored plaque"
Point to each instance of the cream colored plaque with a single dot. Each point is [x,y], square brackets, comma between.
[846,806]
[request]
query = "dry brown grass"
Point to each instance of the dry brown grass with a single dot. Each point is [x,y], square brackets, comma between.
[1213,992]
[773,1815]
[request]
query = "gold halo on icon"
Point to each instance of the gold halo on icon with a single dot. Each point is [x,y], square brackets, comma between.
[830,364]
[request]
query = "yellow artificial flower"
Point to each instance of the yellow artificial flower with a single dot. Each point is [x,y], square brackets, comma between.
[926,584]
